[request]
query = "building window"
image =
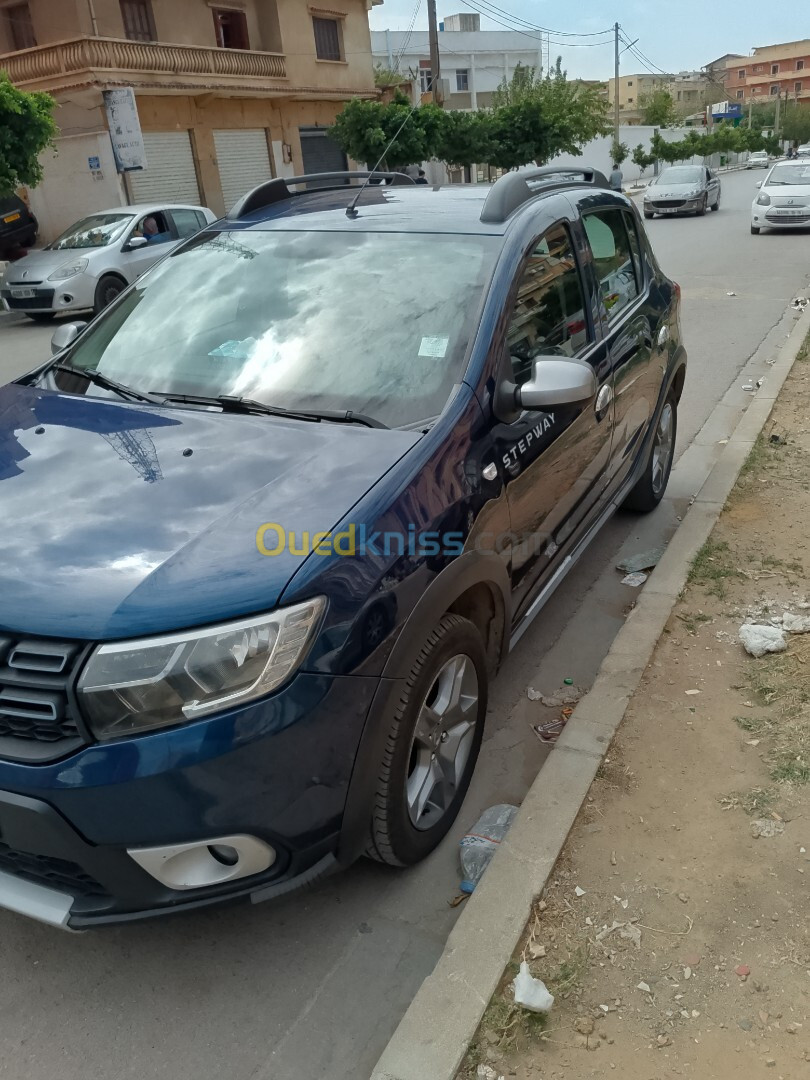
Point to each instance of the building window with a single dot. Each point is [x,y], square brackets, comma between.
[775,90]
[462,80]
[740,94]
[741,73]
[327,38]
[18,17]
[629,101]
[800,65]
[139,23]
[425,77]
[629,82]
[231,29]
[797,87]
[774,69]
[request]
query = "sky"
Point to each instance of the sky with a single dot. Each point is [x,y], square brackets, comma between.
[678,36]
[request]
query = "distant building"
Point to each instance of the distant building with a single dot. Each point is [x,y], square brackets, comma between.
[771,70]
[632,88]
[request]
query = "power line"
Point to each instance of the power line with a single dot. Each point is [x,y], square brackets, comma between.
[407,41]
[535,26]
[539,36]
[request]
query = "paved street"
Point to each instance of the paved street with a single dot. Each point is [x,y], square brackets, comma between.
[310,988]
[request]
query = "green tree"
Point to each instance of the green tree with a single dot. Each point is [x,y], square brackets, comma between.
[364,130]
[465,138]
[658,108]
[619,152]
[27,128]
[796,124]
[641,158]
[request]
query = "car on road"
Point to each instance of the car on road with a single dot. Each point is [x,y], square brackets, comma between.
[803,151]
[783,201]
[759,159]
[18,226]
[682,189]
[274,519]
[94,260]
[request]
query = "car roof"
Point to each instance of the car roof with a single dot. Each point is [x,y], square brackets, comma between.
[452,208]
[146,208]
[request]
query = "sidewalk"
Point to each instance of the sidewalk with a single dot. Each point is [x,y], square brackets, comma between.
[674,931]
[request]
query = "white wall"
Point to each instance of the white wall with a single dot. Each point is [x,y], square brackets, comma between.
[71,190]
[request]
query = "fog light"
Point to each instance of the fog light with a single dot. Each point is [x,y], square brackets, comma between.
[205,862]
[65,298]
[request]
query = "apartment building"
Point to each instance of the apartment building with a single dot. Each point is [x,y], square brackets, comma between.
[228,92]
[632,88]
[769,71]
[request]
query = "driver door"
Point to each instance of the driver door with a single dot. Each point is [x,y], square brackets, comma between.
[136,261]
[554,462]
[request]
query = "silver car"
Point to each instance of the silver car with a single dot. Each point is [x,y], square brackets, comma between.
[682,189]
[97,258]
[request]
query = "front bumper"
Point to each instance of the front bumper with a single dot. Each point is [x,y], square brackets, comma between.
[770,220]
[72,294]
[686,206]
[278,770]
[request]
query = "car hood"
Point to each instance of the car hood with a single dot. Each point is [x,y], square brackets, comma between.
[671,191]
[787,194]
[120,519]
[39,264]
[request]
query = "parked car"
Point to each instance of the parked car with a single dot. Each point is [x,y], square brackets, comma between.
[94,260]
[783,201]
[272,521]
[803,151]
[682,189]
[759,159]
[18,226]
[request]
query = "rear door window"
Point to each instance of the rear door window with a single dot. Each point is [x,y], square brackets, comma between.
[613,259]
[188,222]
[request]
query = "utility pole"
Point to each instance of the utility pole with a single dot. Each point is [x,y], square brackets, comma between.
[776,123]
[435,72]
[616,88]
[750,113]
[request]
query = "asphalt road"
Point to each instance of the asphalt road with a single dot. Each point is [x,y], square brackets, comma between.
[310,988]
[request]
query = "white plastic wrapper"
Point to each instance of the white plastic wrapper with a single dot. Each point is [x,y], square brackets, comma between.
[531,993]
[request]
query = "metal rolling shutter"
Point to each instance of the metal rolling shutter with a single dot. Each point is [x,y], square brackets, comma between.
[320,153]
[169,175]
[244,162]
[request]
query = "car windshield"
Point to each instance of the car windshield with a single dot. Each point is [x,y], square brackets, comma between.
[789,174]
[377,323]
[681,174]
[95,231]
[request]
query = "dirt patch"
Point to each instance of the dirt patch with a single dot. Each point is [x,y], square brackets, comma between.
[675,932]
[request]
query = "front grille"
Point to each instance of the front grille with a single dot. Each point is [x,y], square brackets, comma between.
[47,870]
[38,717]
[788,219]
[671,204]
[42,301]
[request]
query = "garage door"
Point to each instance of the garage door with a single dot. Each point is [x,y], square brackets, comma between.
[320,153]
[169,175]
[244,162]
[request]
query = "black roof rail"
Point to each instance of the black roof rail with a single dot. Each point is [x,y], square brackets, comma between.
[276,190]
[515,188]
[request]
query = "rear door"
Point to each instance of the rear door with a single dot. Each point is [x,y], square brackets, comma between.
[629,317]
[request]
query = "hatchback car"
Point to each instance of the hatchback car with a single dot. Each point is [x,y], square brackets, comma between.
[274,519]
[94,260]
[682,189]
[783,201]
[18,226]
[759,159]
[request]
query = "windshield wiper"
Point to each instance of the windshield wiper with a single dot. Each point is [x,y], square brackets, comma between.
[249,405]
[106,383]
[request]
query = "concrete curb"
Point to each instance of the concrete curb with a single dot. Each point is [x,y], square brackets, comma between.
[433,1036]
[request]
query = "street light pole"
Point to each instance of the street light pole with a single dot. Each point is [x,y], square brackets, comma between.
[616,88]
[435,73]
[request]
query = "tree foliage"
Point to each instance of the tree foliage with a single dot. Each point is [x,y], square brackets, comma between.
[365,128]
[619,152]
[658,108]
[642,158]
[723,139]
[27,128]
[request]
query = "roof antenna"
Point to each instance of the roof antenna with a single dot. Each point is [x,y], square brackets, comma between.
[351,211]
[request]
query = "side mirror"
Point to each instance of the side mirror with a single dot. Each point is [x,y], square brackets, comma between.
[557,382]
[65,335]
[759,183]
[135,243]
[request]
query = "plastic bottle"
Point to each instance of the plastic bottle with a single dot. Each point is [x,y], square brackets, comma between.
[478,846]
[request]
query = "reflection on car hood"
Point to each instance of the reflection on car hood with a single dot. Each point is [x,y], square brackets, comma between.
[120,519]
[39,264]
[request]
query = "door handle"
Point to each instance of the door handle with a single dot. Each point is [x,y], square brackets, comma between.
[603,400]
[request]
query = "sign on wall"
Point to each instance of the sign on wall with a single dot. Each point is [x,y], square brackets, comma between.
[125,129]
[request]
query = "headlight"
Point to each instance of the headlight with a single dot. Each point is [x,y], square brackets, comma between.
[68,270]
[763,199]
[130,687]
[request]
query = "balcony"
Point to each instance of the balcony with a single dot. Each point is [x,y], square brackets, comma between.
[93,62]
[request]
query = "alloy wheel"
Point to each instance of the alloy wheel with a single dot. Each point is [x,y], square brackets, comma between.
[662,448]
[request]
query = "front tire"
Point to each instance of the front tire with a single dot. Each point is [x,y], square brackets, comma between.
[40,316]
[717,204]
[648,214]
[108,288]
[755,230]
[702,209]
[432,745]
[649,491]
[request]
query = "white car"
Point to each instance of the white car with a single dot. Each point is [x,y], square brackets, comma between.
[758,160]
[783,201]
[97,258]
[803,151]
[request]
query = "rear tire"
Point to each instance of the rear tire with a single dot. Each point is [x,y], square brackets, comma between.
[649,491]
[108,288]
[755,230]
[432,745]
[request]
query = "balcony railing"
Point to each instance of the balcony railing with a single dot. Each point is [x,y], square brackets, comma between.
[48,62]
